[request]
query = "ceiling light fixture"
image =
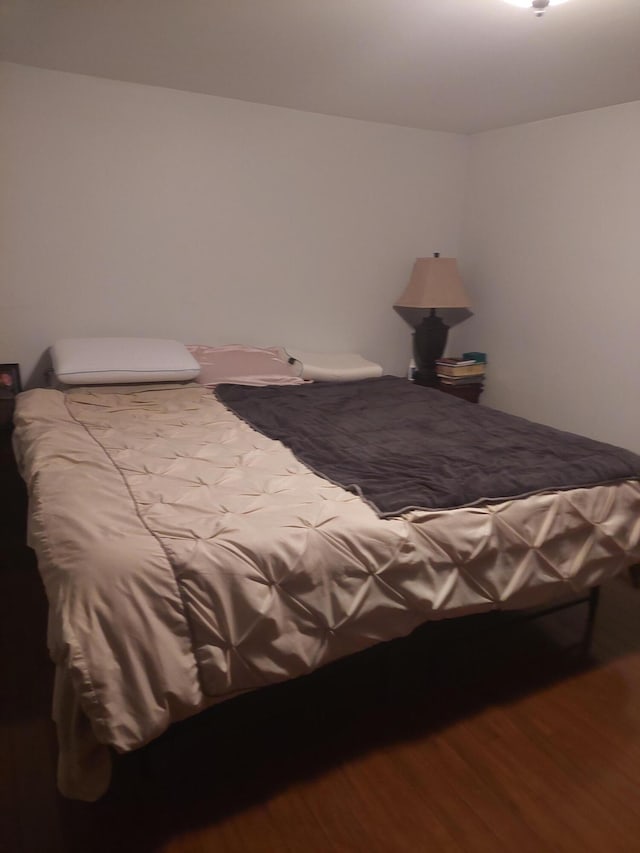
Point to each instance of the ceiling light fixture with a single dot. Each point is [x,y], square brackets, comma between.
[538,6]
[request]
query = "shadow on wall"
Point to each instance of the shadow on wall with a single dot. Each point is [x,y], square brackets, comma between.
[39,377]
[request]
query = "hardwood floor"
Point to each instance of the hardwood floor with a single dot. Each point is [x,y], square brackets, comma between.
[468,736]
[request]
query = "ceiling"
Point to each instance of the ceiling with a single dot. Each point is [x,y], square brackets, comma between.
[450,65]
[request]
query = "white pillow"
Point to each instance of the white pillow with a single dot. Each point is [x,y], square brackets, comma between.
[335,366]
[105,361]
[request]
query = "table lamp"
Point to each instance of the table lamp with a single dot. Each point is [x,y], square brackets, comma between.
[434,283]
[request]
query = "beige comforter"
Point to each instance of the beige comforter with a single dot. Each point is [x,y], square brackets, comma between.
[187,558]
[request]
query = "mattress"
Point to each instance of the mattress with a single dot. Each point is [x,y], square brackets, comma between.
[188,558]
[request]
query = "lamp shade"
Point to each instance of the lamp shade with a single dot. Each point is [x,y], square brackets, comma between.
[434,283]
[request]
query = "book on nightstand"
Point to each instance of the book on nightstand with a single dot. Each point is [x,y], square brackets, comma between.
[460,380]
[456,370]
[466,370]
[455,362]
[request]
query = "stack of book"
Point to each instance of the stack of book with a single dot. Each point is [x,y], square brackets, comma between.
[460,371]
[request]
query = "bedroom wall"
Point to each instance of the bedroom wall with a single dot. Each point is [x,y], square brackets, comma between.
[134,210]
[550,258]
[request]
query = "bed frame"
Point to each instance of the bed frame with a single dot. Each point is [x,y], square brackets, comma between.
[312,575]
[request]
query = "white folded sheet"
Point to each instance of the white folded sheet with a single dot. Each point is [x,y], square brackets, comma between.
[335,366]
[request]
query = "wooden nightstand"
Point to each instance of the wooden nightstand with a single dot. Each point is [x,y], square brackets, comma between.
[10,385]
[7,462]
[7,405]
[470,391]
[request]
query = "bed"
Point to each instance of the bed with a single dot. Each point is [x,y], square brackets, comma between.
[188,557]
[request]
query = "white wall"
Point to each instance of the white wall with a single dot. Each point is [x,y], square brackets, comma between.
[551,259]
[134,210]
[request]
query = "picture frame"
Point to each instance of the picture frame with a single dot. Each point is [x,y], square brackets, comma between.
[10,383]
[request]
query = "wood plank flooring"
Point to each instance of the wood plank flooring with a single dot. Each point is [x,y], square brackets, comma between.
[467,736]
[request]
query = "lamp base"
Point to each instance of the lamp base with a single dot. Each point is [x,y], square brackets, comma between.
[429,341]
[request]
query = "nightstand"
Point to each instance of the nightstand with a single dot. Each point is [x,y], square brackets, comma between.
[470,391]
[7,405]
[12,509]
[7,463]
[10,385]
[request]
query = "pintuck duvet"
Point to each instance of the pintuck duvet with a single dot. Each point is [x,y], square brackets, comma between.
[187,558]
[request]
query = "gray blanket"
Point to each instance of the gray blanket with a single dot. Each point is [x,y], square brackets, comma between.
[401,446]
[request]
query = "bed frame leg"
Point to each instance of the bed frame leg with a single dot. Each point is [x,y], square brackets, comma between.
[594,598]
[634,572]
